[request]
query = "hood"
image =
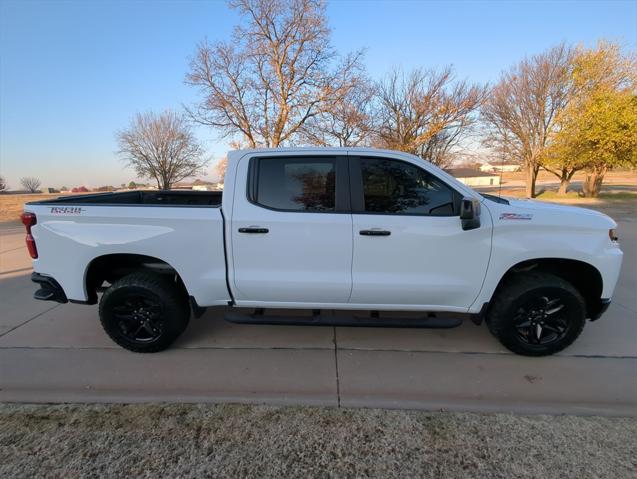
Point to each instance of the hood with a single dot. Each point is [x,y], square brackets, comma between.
[534,211]
[543,206]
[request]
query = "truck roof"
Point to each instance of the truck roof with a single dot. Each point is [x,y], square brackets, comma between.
[236,154]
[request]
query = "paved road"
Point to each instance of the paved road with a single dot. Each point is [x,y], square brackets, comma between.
[58,353]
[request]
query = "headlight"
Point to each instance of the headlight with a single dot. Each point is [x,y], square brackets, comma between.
[612,234]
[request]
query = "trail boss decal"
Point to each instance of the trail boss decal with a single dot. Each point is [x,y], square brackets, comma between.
[66,210]
[516,216]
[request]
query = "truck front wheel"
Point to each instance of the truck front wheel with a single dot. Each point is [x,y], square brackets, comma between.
[537,314]
[144,312]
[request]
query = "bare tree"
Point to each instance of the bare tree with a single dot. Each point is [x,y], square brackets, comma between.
[348,123]
[161,147]
[31,184]
[278,71]
[426,113]
[220,169]
[522,110]
[3,183]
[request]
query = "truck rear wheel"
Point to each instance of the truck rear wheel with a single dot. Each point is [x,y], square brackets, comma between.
[144,312]
[537,314]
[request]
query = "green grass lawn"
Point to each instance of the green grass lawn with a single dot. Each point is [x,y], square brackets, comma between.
[617,196]
[553,195]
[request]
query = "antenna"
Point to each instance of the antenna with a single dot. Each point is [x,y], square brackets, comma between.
[502,165]
[501,171]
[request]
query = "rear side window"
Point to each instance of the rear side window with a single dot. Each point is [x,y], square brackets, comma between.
[296,184]
[397,187]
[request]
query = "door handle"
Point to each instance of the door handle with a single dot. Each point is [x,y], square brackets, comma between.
[374,232]
[253,229]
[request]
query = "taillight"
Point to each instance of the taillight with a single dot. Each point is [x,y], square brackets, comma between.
[29,220]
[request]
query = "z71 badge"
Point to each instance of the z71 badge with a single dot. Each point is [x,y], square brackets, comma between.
[516,216]
[66,210]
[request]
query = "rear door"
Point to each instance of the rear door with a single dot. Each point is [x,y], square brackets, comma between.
[292,232]
[409,245]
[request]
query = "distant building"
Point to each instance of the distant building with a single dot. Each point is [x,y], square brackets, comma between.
[198,185]
[471,177]
[508,167]
[181,186]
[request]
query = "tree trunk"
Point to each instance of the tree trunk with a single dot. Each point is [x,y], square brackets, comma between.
[531,176]
[165,183]
[565,175]
[564,182]
[593,182]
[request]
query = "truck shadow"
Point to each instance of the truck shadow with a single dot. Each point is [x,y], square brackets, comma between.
[26,322]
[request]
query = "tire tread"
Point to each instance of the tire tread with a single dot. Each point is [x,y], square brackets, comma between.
[170,295]
[497,316]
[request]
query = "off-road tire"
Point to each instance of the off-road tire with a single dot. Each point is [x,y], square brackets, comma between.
[172,310]
[525,288]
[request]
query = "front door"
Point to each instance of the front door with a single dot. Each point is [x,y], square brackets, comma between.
[409,245]
[292,232]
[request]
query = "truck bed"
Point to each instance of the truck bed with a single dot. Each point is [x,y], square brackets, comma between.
[184,229]
[141,197]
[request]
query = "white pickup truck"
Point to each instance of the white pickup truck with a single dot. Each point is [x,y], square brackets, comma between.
[327,230]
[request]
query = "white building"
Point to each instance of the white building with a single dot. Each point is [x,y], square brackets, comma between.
[471,177]
[508,167]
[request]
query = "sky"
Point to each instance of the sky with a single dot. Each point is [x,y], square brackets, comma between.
[73,73]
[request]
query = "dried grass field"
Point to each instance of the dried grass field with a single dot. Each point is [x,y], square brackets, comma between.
[11,205]
[155,440]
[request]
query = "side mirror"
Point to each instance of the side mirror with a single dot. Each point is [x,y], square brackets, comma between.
[470,213]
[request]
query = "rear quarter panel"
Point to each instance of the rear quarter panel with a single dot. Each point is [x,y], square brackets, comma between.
[190,239]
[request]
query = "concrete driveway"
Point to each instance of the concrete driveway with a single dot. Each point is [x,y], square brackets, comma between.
[59,353]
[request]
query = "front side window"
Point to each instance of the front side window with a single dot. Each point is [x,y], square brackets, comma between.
[296,184]
[391,186]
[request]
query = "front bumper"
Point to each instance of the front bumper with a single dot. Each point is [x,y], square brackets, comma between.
[599,309]
[50,289]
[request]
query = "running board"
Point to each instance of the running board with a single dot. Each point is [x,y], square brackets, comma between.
[430,322]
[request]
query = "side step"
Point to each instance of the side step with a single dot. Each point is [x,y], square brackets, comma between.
[427,321]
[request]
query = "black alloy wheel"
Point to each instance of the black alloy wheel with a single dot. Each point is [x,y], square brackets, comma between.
[542,321]
[537,314]
[139,318]
[144,312]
